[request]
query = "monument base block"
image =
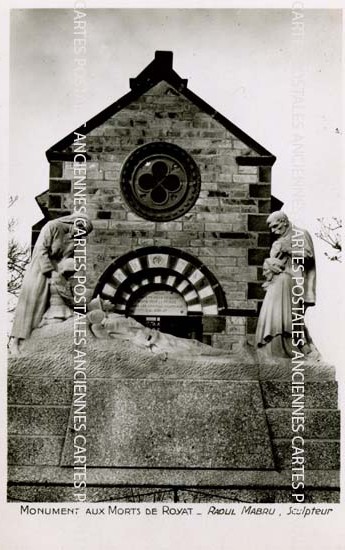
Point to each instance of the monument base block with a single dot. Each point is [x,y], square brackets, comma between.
[191,429]
[174,424]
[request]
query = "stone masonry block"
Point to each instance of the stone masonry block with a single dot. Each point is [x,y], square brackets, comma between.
[38,420]
[46,391]
[92,166]
[265,240]
[318,424]
[265,206]
[265,174]
[55,169]
[208,216]
[247,170]
[249,209]
[257,222]
[213,324]
[242,262]
[193,226]
[226,272]
[235,297]
[235,321]
[231,218]
[223,226]
[132,217]
[251,325]
[134,226]
[318,395]
[60,186]
[187,423]
[225,178]
[100,224]
[225,261]
[245,178]
[169,226]
[35,450]
[55,201]
[255,291]
[246,274]
[239,145]
[58,213]
[260,191]
[319,454]
[68,170]
[111,175]
[223,252]
[103,215]
[256,256]
[106,165]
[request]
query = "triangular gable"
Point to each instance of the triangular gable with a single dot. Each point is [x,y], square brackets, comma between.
[161,69]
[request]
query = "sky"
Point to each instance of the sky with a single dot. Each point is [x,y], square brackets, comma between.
[239,61]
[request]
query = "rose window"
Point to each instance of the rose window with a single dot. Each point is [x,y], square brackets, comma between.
[160,181]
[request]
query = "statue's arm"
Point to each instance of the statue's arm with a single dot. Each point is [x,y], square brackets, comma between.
[63,288]
[276,250]
[308,246]
[304,246]
[43,249]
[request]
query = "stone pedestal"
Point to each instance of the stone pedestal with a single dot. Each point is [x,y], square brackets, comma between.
[192,429]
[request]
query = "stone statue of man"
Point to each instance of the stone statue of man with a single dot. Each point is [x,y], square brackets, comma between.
[280,226]
[274,329]
[55,242]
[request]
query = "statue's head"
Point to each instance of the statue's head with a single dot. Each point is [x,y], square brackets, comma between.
[278,222]
[82,225]
[83,222]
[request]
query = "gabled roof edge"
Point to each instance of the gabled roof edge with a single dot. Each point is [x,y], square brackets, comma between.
[148,78]
[240,134]
[94,122]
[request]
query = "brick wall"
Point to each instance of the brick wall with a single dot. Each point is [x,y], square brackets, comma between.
[225,229]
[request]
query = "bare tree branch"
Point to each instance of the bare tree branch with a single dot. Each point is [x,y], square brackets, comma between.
[328,233]
[18,257]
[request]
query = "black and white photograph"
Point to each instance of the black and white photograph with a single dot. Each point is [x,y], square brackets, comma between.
[174,305]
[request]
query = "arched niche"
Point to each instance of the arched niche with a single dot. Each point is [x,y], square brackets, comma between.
[141,273]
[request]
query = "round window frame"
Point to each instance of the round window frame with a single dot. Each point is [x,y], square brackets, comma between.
[160,150]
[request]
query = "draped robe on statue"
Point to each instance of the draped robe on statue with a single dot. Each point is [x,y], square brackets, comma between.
[282,248]
[274,329]
[54,243]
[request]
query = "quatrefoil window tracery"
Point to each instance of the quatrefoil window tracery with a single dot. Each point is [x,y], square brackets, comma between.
[160,181]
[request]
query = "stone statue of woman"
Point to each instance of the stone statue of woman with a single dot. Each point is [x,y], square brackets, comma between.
[55,242]
[273,333]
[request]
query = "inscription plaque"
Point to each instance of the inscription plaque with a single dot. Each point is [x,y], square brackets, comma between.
[160,302]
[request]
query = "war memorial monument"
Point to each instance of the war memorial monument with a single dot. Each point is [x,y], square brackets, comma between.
[158,349]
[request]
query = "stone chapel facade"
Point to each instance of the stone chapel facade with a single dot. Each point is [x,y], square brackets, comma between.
[178,196]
